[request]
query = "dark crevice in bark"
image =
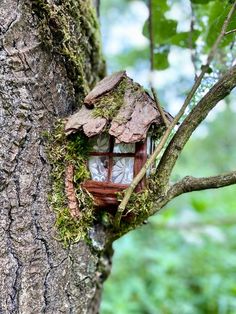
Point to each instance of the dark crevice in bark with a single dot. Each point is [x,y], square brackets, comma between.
[37,275]
[18,267]
[43,241]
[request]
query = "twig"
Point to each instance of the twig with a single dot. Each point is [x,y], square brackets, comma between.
[191,184]
[164,138]
[151,41]
[230,32]
[219,91]
[163,116]
[193,51]
[223,31]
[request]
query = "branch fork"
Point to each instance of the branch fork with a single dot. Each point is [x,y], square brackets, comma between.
[172,125]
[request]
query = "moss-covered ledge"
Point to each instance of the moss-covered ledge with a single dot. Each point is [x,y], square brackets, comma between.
[61,152]
[70,30]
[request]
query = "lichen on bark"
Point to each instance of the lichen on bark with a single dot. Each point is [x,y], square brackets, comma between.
[70,29]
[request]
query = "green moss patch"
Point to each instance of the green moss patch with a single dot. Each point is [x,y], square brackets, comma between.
[108,105]
[70,30]
[61,152]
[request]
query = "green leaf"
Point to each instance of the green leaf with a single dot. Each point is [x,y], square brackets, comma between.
[163,28]
[201,1]
[185,39]
[161,60]
[198,204]
[160,5]
[217,15]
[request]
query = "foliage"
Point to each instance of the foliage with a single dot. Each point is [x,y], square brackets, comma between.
[205,21]
[184,260]
[187,260]
[208,20]
[173,274]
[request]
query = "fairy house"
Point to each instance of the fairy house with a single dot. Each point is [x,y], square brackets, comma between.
[120,120]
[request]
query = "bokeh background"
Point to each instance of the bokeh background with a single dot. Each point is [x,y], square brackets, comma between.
[184,260]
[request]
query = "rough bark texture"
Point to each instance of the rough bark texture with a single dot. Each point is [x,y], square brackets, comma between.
[37,274]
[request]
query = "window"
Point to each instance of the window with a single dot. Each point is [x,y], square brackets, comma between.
[111,162]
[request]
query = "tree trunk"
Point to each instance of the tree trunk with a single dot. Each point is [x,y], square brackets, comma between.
[49,57]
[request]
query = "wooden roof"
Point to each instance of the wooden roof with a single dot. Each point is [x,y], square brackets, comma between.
[132,120]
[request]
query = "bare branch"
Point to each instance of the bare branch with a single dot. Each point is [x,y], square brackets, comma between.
[190,184]
[218,92]
[191,46]
[165,137]
[222,34]
[230,32]
[151,41]
[163,116]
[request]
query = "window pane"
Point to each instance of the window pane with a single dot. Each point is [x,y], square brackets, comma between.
[100,143]
[124,148]
[98,167]
[150,147]
[122,170]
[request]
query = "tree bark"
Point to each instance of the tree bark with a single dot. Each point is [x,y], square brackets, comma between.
[38,274]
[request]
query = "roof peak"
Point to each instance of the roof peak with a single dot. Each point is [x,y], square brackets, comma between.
[132,110]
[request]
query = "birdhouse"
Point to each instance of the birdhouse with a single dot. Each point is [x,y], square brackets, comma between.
[120,120]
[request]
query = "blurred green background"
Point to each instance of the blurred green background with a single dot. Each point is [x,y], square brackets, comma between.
[183,261]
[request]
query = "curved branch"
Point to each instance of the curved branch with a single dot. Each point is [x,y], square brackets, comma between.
[230,32]
[164,138]
[218,92]
[190,184]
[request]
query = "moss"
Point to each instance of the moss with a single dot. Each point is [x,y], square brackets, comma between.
[108,105]
[137,211]
[70,30]
[61,151]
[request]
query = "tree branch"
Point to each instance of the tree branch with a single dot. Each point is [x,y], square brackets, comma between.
[165,137]
[190,184]
[230,32]
[218,92]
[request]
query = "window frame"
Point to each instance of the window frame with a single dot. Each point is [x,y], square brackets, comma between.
[111,155]
[105,192]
